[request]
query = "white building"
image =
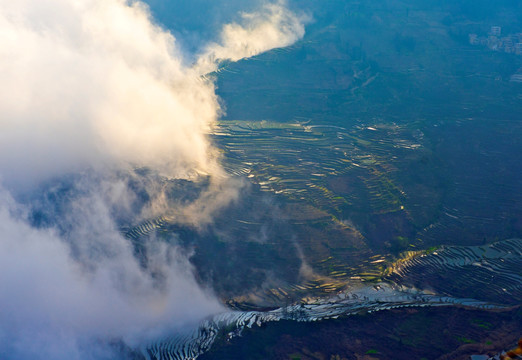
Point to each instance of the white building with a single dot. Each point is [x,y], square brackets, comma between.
[473,39]
[518,48]
[496,30]
[493,42]
[516,78]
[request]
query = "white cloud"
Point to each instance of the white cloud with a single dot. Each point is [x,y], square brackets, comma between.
[95,82]
[95,85]
[52,300]
[273,26]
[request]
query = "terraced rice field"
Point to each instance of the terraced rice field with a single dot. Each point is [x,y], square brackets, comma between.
[346,207]
[491,273]
[299,161]
[395,293]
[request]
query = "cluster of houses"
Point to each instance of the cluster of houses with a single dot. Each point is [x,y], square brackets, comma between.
[511,43]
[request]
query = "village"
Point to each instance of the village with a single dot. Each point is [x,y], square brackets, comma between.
[511,43]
